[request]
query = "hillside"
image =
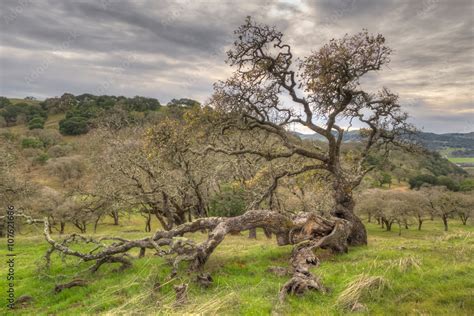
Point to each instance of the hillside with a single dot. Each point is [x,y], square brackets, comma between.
[431,141]
[456,147]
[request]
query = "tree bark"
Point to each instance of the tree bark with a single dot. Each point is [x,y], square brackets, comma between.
[420,222]
[115,216]
[96,222]
[148,223]
[445,222]
[253,233]
[62,225]
[344,209]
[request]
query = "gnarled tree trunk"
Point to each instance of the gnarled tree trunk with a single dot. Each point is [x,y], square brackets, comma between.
[344,209]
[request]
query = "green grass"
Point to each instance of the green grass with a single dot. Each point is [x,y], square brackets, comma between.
[31,102]
[461,159]
[443,284]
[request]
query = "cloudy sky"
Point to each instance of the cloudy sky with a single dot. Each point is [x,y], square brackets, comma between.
[172,49]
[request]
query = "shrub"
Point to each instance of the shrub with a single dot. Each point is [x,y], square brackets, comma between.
[31,142]
[74,125]
[57,151]
[447,182]
[467,185]
[49,137]
[3,123]
[41,159]
[31,152]
[8,136]
[37,122]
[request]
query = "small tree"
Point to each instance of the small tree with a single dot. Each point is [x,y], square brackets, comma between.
[37,122]
[441,201]
[464,206]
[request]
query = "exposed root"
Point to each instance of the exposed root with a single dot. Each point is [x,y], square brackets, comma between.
[279,271]
[204,280]
[300,283]
[181,294]
[303,256]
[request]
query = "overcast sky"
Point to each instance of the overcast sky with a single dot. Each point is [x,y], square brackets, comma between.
[174,49]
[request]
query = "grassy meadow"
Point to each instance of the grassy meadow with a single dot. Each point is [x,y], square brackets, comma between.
[428,272]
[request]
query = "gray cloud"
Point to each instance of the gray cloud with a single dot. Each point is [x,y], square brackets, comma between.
[168,49]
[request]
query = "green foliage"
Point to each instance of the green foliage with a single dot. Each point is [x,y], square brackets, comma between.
[142,104]
[229,202]
[41,159]
[386,178]
[49,137]
[4,102]
[417,181]
[448,183]
[467,184]
[73,125]
[31,142]
[423,179]
[183,102]
[85,111]
[439,166]
[37,122]
[59,105]
[12,112]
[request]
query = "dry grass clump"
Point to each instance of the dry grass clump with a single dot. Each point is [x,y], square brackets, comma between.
[406,263]
[363,286]
[460,235]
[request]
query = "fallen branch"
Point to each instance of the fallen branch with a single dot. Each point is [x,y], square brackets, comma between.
[307,231]
[78,282]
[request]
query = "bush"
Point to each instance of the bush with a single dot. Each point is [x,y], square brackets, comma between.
[49,137]
[57,151]
[229,202]
[8,136]
[31,142]
[66,168]
[4,101]
[74,125]
[41,159]
[420,180]
[31,152]
[447,182]
[37,122]
[467,185]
